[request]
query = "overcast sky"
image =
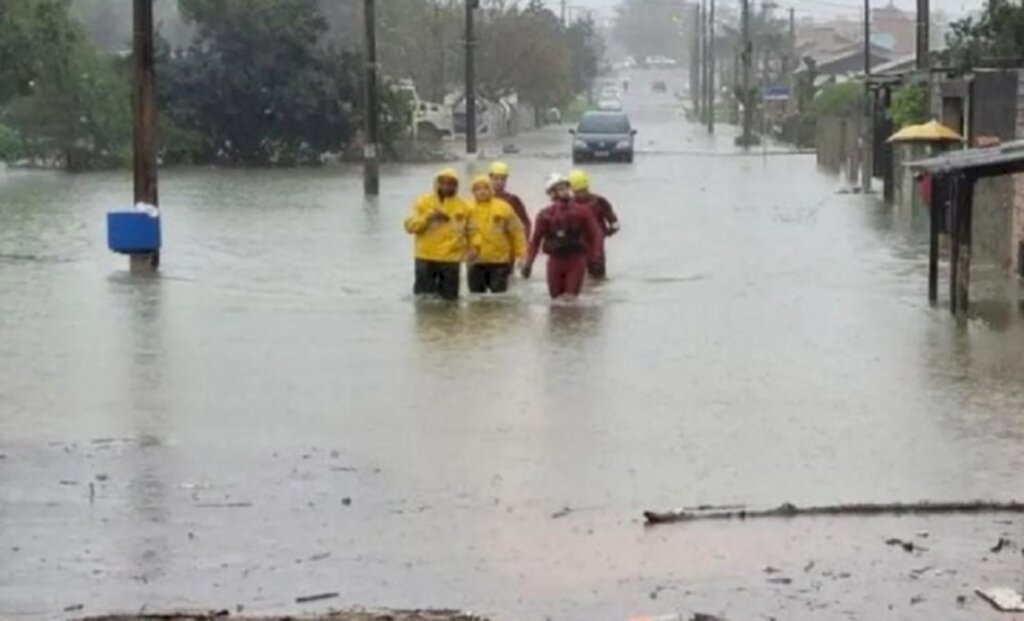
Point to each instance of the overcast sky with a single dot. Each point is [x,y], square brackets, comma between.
[821,9]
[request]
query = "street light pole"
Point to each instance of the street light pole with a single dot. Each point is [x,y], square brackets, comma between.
[371,142]
[923,34]
[470,79]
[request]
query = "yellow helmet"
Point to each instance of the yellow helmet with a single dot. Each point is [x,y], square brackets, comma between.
[481,180]
[578,180]
[499,169]
[447,173]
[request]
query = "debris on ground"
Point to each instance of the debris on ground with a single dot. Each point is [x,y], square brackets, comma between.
[789,510]
[768,569]
[356,615]
[908,546]
[780,580]
[561,513]
[74,608]
[304,599]
[1002,544]
[1002,599]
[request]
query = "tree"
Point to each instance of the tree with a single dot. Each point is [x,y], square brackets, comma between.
[261,83]
[998,35]
[909,105]
[64,99]
[36,38]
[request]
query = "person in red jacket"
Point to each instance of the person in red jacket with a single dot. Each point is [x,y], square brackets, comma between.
[570,237]
[499,179]
[602,211]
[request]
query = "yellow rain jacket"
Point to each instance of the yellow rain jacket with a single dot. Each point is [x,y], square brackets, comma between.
[496,232]
[436,240]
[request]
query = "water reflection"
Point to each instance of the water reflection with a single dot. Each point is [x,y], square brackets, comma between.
[139,301]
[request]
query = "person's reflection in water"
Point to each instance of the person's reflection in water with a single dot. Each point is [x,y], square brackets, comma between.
[575,321]
[472,324]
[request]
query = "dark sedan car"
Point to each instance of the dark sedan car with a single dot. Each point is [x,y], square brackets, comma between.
[603,136]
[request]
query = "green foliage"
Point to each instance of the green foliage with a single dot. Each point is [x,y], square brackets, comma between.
[76,105]
[909,105]
[260,82]
[37,38]
[838,100]
[11,146]
[997,35]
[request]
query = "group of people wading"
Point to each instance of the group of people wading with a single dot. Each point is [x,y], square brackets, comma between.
[492,232]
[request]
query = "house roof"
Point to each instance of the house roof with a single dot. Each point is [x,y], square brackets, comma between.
[1004,159]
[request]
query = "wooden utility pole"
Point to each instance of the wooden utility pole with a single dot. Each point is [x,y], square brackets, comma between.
[144,134]
[868,141]
[702,36]
[695,62]
[747,58]
[470,79]
[923,34]
[711,67]
[791,63]
[371,141]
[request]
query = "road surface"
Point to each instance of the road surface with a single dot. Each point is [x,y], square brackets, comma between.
[273,416]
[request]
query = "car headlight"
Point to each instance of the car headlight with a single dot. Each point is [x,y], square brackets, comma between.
[580,144]
[622,144]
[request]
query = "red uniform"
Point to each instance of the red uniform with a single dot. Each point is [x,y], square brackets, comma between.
[518,207]
[601,210]
[571,237]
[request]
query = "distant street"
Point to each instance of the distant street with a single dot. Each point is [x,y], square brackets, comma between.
[274,416]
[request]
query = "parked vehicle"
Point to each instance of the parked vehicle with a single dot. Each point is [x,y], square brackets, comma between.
[603,136]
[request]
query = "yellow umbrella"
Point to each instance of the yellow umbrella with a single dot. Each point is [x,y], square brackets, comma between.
[933,131]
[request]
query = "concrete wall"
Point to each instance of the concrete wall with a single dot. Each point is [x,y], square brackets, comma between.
[994,113]
[1017,210]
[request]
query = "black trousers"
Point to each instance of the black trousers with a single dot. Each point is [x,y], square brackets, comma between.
[484,277]
[437,278]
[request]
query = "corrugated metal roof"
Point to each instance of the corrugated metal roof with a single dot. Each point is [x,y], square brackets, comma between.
[992,161]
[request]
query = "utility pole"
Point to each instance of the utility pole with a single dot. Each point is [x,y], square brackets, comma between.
[693,26]
[471,79]
[923,34]
[144,129]
[711,67]
[869,122]
[747,57]
[371,141]
[791,63]
[702,36]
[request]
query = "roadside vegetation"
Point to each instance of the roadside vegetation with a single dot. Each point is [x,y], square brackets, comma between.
[260,82]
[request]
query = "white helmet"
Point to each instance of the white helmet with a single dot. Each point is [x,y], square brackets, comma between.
[555,179]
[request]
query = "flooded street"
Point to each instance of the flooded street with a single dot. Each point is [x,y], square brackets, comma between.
[274,415]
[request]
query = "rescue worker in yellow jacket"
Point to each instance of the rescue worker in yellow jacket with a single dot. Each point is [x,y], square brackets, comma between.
[496,234]
[440,225]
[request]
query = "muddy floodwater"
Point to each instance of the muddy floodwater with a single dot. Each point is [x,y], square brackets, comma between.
[274,416]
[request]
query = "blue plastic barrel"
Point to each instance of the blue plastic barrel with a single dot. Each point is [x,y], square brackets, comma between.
[133,232]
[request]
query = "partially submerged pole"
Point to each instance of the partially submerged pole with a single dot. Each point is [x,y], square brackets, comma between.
[934,227]
[144,129]
[962,282]
[371,143]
